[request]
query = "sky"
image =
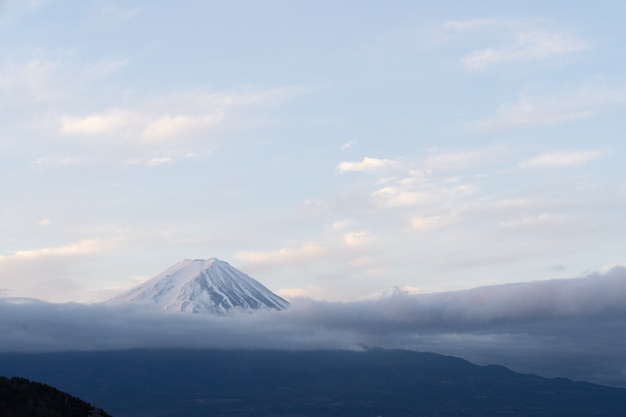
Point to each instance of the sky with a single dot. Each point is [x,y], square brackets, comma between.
[334,150]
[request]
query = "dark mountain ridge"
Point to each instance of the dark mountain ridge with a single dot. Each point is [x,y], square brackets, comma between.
[20,397]
[190,383]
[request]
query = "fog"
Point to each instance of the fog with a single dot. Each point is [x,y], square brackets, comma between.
[573,327]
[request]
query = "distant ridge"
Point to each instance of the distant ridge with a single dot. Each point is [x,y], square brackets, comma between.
[203,286]
[327,383]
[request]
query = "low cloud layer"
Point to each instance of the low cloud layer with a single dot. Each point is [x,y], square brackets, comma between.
[572,328]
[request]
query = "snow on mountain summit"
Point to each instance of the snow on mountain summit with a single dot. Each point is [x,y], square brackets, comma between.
[203,286]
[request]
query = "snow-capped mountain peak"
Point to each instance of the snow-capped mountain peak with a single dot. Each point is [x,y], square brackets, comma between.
[203,286]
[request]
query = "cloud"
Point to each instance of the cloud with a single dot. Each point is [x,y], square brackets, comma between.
[98,123]
[528,45]
[539,221]
[526,326]
[465,159]
[309,291]
[560,159]
[367,164]
[422,223]
[164,160]
[48,272]
[358,240]
[50,75]
[421,189]
[82,247]
[519,41]
[396,196]
[552,110]
[35,79]
[349,145]
[167,127]
[148,127]
[303,252]
[151,162]
[174,117]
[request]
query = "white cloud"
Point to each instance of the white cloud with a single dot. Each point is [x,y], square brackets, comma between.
[358,240]
[561,159]
[395,196]
[98,123]
[420,189]
[367,164]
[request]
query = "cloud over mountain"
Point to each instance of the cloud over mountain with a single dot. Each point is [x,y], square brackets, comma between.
[569,328]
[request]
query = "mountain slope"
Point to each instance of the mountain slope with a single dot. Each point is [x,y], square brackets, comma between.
[20,397]
[203,286]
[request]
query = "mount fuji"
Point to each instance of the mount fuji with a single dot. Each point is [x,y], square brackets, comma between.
[203,286]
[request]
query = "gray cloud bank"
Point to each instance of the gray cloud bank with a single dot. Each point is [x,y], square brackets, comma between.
[574,328]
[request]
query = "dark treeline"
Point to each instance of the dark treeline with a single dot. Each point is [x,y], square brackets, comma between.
[20,397]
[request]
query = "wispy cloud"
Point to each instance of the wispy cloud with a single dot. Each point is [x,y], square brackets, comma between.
[349,145]
[79,248]
[176,117]
[448,161]
[542,220]
[164,160]
[559,159]
[519,41]
[167,127]
[424,223]
[98,123]
[52,75]
[528,45]
[421,189]
[367,164]
[553,110]
[400,196]
[296,253]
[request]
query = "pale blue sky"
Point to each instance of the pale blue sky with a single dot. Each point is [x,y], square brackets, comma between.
[329,149]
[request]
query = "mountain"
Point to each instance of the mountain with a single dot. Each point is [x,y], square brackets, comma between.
[376,382]
[20,397]
[203,286]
